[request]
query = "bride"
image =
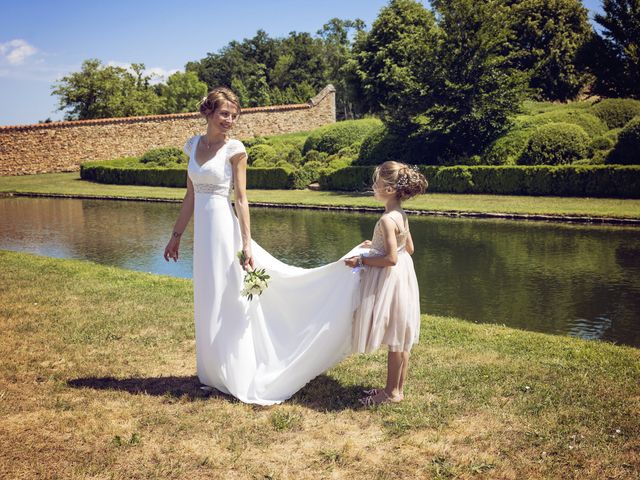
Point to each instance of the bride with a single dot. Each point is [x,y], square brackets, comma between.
[264,350]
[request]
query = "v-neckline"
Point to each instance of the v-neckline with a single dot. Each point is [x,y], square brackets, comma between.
[195,153]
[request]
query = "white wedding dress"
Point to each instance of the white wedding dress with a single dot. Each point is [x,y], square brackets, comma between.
[265,350]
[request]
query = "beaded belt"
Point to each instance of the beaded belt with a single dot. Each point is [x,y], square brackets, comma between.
[222,190]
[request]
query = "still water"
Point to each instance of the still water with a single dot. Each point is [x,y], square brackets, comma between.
[577,280]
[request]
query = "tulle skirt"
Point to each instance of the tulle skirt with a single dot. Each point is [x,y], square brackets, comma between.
[389,308]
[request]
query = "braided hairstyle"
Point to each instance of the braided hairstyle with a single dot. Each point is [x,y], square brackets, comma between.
[215,98]
[406,180]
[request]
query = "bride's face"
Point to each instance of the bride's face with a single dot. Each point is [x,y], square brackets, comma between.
[223,117]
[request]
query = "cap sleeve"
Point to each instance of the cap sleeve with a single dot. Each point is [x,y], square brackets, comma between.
[188,146]
[236,147]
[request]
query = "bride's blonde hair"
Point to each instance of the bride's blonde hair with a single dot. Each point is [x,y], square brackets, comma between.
[215,98]
[406,180]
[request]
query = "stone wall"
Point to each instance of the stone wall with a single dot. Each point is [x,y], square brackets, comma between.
[63,146]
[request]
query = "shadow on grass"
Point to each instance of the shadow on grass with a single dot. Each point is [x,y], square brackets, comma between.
[323,393]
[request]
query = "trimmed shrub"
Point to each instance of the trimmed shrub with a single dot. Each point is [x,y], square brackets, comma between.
[565,180]
[381,145]
[331,138]
[350,179]
[314,156]
[163,157]
[616,112]
[127,175]
[627,150]
[263,154]
[555,144]
[591,124]
[613,134]
[252,142]
[601,143]
[454,179]
[507,149]
[291,155]
[270,178]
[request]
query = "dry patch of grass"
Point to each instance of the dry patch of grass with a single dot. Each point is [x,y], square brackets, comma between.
[97,381]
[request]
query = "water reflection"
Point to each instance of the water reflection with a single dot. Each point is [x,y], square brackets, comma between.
[578,280]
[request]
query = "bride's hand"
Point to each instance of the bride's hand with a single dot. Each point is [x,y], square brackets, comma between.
[171,250]
[366,244]
[248,262]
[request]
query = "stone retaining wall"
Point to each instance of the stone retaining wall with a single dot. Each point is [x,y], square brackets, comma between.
[63,146]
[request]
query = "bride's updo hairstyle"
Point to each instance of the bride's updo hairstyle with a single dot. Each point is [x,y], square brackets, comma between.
[215,98]
[405,180]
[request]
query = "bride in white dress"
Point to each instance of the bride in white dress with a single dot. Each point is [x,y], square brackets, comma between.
[264,350]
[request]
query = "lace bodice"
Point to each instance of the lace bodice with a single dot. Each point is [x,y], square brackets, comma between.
[215,176]
[377,242]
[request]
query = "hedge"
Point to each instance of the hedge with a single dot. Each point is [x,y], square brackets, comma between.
[566,180]
[155,177]
[331,138]
[257,177]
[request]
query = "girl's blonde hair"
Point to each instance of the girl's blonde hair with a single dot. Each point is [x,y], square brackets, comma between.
[215,98]
[405,180]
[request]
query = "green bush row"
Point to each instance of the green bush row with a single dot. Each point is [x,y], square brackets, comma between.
[565,180]
[257,177]
[123,175]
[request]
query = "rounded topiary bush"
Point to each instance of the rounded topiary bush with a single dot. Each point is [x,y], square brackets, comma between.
[616,112]
[507,149]
[163,157]
[314,156]
[627,150]
[382,145]
[263,154]
[287,152]
[331,138]
[601,143]
[591,124]
[555,144]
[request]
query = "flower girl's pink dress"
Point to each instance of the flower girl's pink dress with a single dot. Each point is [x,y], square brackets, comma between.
[389,306]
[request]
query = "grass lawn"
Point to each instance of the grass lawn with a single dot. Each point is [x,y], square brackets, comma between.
[97,381]
[71,184]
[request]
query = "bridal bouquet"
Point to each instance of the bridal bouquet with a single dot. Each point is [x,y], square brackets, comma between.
[255,281]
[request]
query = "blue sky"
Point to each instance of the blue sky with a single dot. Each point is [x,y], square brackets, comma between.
[43,40]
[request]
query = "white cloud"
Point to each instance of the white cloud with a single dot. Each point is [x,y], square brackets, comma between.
[157,74]
[16,51]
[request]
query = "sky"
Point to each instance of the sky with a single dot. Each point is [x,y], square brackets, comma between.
[42,40]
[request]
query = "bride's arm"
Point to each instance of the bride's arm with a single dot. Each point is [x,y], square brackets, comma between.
[171,250]
[239,163]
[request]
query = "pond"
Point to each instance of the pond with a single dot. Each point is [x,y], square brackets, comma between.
[579,280]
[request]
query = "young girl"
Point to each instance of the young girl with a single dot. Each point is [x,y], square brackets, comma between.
[389,310]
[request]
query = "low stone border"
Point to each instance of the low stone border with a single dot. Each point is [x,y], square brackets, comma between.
[440,213]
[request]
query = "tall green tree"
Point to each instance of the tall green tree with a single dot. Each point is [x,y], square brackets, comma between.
[443,78]
[336,35]
[393,63]
[265,71]
[547,42]
[181,93]
[475,88]
[615,51]
[99,91]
